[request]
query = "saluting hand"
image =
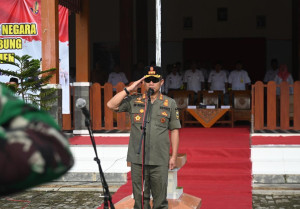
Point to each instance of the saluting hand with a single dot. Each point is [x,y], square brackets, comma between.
[134,86]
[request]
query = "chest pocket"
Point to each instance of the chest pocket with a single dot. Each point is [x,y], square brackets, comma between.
[137,115]
[163,118]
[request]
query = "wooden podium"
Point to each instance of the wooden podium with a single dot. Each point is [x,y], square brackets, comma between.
[176,198]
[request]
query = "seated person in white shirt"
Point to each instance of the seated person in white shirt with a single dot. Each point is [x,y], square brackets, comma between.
[173,80]
[283,75]
[238,79]
[272,72]
[193,79]
[117,76]
[217,79]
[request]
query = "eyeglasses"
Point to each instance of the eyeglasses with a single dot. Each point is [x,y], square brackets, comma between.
[153,79]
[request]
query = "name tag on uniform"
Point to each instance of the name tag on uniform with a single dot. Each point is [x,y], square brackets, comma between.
[165,108]
[139,105]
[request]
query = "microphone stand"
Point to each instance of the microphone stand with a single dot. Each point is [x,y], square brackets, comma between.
[107,196]
[143,138]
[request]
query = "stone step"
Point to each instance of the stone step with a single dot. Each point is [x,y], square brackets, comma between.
[118,178]
[76,186]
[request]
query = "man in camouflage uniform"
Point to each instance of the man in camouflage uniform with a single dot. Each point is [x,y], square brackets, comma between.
[162,117]
[33,150]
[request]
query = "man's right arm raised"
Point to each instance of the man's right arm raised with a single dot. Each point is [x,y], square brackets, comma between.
[115,102]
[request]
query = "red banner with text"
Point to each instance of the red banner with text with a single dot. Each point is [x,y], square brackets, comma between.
[20,34]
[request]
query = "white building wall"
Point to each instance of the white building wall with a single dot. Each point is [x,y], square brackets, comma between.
[275,159]
[112,158]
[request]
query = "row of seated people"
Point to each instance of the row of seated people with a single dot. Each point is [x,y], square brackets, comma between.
[239,103]
[196,78]
[191,79]
[218,79]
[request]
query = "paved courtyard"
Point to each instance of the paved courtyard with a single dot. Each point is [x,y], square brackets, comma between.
[275,201]
[51,200]
[91,199]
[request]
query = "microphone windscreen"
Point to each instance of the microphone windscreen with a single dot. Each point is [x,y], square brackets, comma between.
[150,91]
[80,103]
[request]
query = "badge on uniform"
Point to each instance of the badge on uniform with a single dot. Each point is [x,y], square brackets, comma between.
[151,72]
[137,118]
[177,114]
[139,101]
[161,97]
[141,110]
[165,113]
[166,103]
[162,120]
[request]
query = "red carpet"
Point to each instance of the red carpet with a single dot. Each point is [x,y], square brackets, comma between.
[218,168]
[266,140]
[83,140]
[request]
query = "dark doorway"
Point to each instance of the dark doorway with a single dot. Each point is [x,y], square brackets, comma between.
[250,51]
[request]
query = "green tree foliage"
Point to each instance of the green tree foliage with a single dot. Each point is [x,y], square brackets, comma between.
[33,82]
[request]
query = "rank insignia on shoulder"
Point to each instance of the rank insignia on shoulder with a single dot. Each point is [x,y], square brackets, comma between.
[177,114]
[164,113]
[162,120]
[141,110]
[166,103]
[137,118]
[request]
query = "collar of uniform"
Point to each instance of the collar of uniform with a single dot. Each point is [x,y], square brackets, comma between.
[161,96]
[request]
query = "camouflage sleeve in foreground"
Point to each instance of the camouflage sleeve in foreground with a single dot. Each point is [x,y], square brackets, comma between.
[33,150]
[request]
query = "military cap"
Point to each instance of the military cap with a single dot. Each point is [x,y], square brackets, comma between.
[154,71]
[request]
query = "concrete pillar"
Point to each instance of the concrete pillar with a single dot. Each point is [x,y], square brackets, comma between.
[56,108]
[82,85]
[50,38]
[50,52]
[83,43]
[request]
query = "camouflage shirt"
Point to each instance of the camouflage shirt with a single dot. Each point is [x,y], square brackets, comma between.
[33,150]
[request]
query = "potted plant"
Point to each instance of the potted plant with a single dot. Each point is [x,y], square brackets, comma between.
[31,81]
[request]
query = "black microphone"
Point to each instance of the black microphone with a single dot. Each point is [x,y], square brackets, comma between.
[81,104]
[150,92]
